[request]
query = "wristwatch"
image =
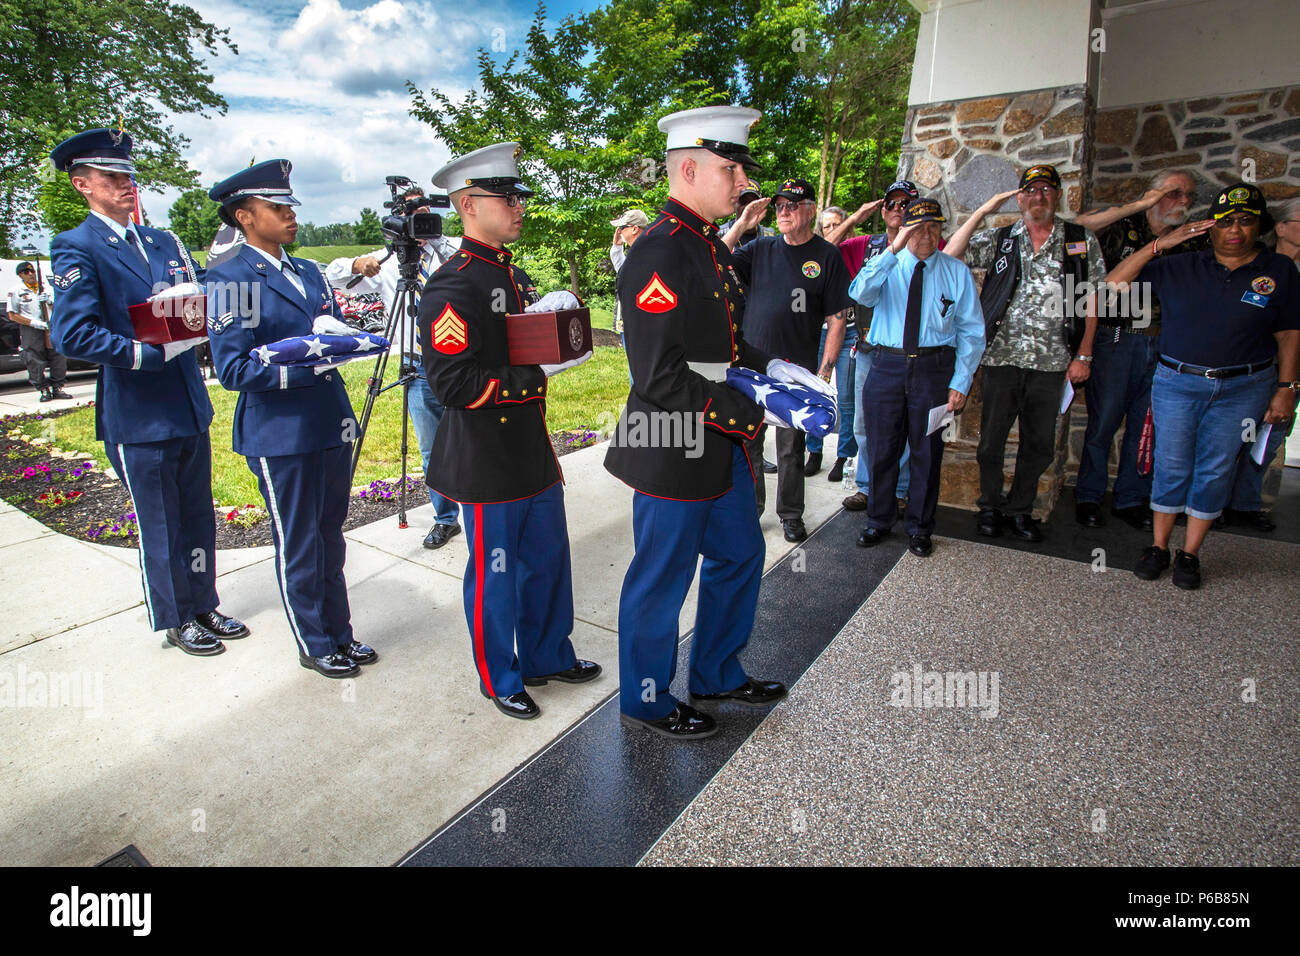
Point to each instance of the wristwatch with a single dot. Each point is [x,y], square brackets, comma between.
[1294,386]
[1085,359]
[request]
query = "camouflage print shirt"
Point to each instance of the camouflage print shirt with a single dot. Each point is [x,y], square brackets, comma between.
[1030,334]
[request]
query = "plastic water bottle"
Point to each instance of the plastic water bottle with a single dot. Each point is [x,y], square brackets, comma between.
[849,481]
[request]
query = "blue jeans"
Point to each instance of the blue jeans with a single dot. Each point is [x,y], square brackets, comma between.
[862,475]
[1199,428]
[1248,482]
[844,378]
[426,412]
[1118,391]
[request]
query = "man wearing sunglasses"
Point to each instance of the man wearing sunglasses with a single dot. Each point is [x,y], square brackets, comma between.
[1124,356]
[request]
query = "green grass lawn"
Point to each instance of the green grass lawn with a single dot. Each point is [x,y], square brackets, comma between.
[587,397]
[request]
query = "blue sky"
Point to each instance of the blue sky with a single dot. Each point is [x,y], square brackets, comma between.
[322,83]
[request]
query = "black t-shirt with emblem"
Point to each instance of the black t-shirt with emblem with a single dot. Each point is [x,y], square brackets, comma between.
[791,290]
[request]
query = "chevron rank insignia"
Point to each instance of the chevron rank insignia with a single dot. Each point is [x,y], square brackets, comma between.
[65,281]
[449,332]
[656,296]
[220,323]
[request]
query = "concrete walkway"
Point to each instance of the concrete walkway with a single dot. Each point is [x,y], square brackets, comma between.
[114,738]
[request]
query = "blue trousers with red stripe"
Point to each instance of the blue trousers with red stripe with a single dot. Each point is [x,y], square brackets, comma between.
[307,498]
[519,589]
[670,535]
[170,483]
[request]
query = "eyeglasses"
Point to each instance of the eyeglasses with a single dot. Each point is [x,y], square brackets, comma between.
[512,200]
[897,204]
[1179,194]
[1244,222]
[1039,191]
[789,207]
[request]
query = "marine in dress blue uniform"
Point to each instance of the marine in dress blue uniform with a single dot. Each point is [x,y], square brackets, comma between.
[294,425]
[151,407]
[682,306]
[492,452]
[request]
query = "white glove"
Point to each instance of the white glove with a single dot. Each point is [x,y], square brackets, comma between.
[553,369]
[173,349]
[328,325]
[555,301]
[39,324]
[322,369]
[770,419]
[792,374]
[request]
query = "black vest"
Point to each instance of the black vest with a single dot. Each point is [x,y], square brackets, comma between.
[1003,278]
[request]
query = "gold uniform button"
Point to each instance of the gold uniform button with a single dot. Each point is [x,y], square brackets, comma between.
[731,421]
[525,391]
[673,221]
[750,427]
[505,394]
[713,414]
[503,419]
[725,287]
[706,230]
[716,295]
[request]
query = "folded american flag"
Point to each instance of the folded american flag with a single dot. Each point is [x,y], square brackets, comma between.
[322,349]
[796,405]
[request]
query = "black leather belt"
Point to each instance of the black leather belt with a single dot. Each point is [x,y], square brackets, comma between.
[1229,372]
[928,350]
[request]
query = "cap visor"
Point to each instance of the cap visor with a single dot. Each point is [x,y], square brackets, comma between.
[108,167]
[281,200]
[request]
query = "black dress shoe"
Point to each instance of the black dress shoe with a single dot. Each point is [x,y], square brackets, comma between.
[871,537]
[813,465]
[1088,514]
[755,693]
[794,530]
[337,664]
[1187,571]
[1153,563]
[46,396]
[439,535]
[224,627]
[989,523]
[361,653]
[684,723]
[1135,517]
[518,705]
[193,638]
[579,673]
[57,392]
[1254,520]
[1026,528]
[837,471]
[768,467]
[920,545]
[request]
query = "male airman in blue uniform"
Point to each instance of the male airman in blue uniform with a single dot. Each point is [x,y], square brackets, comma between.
[151,406]
[492,453]
[294,424]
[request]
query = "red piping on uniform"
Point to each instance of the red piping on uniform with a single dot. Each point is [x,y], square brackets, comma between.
[480,657]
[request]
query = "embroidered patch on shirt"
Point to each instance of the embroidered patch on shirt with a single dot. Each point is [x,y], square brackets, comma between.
[1264,285]
[656,296]
[1076,248]
[811,269]
[221,322]
[450,334]
[65,281]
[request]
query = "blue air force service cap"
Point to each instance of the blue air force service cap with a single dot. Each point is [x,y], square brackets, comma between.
[268,180]
[723,130]
[494,169]
[106,149]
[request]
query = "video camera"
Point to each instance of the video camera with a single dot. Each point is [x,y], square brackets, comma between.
[405,224]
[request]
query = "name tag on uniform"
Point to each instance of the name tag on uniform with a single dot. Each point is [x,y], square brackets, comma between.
[1255,299]
[1076,248]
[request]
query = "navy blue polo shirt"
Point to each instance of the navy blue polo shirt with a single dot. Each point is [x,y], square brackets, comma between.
[1217,319]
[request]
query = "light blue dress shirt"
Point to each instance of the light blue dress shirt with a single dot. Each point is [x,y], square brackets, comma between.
[958,321]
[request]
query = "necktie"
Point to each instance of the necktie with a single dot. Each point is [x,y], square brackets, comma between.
[290,272]
[134,242]
[912,322]
[425,261]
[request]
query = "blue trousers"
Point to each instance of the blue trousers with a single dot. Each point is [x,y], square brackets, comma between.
[862,473]
[1118,391]
[897,401]
[307,498]
[170,483]
[844,379]
[1248,482]
[669,536]
[519,590]
[426,412]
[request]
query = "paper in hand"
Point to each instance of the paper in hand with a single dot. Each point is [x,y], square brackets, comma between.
[1067,397]
[1261,443]
[940,415]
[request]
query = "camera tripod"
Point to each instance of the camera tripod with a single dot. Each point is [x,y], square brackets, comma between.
[404,306]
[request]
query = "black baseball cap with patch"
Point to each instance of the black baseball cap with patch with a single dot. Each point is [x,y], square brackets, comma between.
[751,190]
[24,267]
[1041,173]
[1243,197]
[923,210]
[796,189]
[903,185]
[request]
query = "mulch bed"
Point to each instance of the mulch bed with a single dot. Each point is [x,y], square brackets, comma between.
[82,502]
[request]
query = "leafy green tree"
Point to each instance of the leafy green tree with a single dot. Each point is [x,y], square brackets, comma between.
[367,230]
[61,206]
[67,65]
[195,218]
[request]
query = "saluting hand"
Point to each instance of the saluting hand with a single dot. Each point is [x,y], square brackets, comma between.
[900,240]
[867,209]
[1153,196]
[1184,232]
[753,214]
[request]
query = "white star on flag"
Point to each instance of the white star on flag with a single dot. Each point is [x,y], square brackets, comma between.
[264,355]
[315,347]
[761,392]
[364,344]
[799,418]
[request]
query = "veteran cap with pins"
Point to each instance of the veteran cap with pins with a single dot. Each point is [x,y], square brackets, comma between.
[1242,197]
[106,149]
[923,210]
[268,180]
[723,130]
[1043,172]
[494,169]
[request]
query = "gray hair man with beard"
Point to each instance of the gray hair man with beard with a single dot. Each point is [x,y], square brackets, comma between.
[1124,356]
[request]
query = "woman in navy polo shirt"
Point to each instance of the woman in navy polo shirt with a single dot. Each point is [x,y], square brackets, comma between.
[1229,357]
